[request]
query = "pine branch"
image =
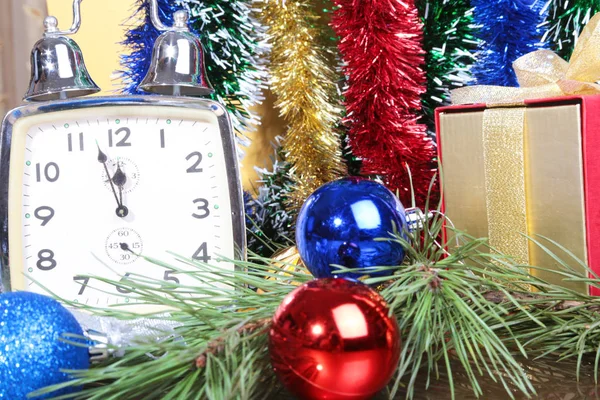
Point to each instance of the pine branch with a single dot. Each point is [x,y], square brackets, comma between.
[218,345]
[467,313]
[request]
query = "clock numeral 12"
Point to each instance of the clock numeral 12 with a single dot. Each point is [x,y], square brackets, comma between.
[121,143]
[202,253]
[70,136]
[51,172]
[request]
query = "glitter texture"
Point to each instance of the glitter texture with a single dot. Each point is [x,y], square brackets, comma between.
[31,354]
[305,86]
[450,51]
[381,44]
[566,20]
[508,29]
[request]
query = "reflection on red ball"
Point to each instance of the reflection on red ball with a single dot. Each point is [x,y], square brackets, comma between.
[333,339]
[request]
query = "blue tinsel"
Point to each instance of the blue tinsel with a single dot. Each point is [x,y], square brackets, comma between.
[508,29]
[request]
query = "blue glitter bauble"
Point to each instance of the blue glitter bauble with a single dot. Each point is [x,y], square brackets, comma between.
[31,356]
[339,222]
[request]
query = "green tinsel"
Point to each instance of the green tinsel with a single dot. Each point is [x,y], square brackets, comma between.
[449,45]
[566,20]
[233,44]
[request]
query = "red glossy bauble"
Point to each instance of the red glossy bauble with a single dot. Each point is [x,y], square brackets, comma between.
[333,339]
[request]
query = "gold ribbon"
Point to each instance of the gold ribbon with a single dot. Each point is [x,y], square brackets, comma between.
[540,74]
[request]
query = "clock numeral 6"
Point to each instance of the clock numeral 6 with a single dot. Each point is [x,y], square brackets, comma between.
[46,260]
[51,172]
[121,143]
[44,213]
[120,288]
[85,280]
[202,206]
[202,253]
[194,167]
[167,277]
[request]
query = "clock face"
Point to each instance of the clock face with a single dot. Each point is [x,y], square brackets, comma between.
[100,187]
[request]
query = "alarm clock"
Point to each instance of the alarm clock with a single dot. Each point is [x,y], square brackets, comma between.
[93,186]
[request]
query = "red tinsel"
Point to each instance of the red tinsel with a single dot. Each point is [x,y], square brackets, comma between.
[380,42]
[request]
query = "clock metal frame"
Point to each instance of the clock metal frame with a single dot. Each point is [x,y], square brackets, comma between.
[28,110]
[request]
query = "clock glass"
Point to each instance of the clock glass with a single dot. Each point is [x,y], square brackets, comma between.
[93,189]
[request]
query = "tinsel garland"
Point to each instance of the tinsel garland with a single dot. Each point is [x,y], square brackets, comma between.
[508,29]
[233,44]
[566,20]
[450,46]
[268,222]
[305,86]
[380,42]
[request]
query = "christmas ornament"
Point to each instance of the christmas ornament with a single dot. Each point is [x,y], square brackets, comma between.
[507,30]
[307,98]
[339,224]
[566,20]
[31,354]
[380,43]
[334,339]
[233,43]
[450,46]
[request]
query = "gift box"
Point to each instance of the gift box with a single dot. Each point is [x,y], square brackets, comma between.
[521,162]
[531,168]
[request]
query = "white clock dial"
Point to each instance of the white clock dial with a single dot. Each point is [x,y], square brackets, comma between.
[98,192]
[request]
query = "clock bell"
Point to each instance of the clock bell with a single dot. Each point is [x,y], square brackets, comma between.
[57,67]
[177,66]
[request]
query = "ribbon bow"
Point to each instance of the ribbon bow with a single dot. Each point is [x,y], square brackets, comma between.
[542,73]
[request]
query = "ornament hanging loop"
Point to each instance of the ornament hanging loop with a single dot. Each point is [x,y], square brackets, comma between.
[51,23]
[180,19]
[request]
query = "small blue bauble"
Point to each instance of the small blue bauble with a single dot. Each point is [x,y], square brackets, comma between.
[339,222]
[31,356]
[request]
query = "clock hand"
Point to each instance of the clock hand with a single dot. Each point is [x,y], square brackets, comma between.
[119,179]
[121,210]
[125,247]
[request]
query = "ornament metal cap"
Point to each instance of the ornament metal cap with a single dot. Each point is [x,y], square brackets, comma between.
[177,66]
[57,67]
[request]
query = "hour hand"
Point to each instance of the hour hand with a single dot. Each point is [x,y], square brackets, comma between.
[119,179]
[121,210]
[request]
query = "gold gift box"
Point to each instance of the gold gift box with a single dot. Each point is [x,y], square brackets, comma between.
[561,170]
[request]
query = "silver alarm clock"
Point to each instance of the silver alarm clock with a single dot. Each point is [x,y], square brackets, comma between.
[91,185]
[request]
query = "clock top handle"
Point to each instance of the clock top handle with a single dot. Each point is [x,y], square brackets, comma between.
[180,19]
[51,23]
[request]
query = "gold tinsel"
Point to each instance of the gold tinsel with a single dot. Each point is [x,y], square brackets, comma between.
[305,86]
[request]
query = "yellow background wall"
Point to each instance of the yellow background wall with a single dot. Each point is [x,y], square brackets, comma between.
[103,27]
